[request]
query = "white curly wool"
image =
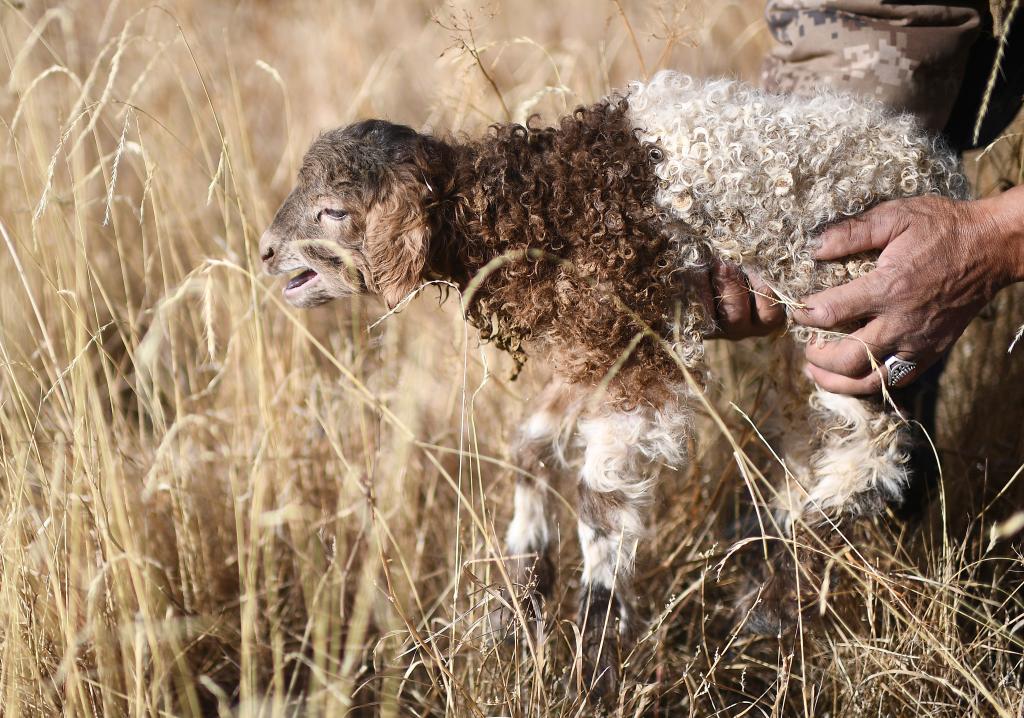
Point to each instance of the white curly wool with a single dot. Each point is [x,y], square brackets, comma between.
[757,176]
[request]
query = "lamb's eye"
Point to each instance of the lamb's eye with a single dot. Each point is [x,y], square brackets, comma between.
[656,154]
[331,213]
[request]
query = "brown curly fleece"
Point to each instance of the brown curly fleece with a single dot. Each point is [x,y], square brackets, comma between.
[571,210]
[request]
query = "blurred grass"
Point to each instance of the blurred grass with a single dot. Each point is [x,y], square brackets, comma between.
[212,504]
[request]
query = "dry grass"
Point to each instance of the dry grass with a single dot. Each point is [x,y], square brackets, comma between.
[213,504]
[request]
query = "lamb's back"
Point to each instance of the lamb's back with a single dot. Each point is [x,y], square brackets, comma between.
[758,175]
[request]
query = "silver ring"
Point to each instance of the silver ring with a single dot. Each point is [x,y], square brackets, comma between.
[898,370]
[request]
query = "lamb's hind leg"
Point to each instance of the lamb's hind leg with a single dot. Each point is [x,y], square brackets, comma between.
[535,451]
[615,493]
[859,466]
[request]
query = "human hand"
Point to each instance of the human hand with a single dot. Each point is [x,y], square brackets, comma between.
[744,306]
[941,261]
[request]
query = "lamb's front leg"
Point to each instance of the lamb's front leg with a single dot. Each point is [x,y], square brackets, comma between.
[535,452]
[624,450]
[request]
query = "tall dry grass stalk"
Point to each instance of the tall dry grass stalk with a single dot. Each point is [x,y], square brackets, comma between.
[212,504]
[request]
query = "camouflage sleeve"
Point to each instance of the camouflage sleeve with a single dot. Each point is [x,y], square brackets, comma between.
[912,57]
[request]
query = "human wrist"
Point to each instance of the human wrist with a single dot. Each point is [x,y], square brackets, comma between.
[1012,209]
[1002,227]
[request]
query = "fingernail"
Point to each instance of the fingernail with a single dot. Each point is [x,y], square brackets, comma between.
[807,371]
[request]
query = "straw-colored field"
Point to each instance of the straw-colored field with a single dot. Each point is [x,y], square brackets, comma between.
[213,504]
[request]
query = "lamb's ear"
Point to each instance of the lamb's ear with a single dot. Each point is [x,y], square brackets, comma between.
[398,237]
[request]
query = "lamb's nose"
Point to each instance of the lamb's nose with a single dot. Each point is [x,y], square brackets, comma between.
[267,246]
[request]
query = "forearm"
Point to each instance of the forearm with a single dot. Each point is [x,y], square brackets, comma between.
[1004,232]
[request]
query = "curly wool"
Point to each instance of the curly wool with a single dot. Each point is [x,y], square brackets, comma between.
[610,220]
[575,252]
[757,176]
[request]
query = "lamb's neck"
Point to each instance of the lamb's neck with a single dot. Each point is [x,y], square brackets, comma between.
[457,251]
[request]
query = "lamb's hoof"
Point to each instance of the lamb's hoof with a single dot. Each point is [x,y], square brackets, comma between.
[524,610]
[603,622]
[772,609]
[791,595]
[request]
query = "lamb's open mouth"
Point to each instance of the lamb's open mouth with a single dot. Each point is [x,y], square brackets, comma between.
[302,279]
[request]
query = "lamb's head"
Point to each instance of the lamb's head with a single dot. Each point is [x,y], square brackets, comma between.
[357,219]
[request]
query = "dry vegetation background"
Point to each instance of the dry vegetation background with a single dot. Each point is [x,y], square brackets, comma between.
[213,504]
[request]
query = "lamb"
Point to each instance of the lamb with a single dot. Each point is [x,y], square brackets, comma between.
[588,244]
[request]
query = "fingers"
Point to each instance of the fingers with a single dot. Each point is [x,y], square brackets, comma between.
[732,298]
[860,386]
[839,384]
[853,356]
[744,306]
[852,365]
[769,311]
[872,230]
[838,306]
[856,364]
